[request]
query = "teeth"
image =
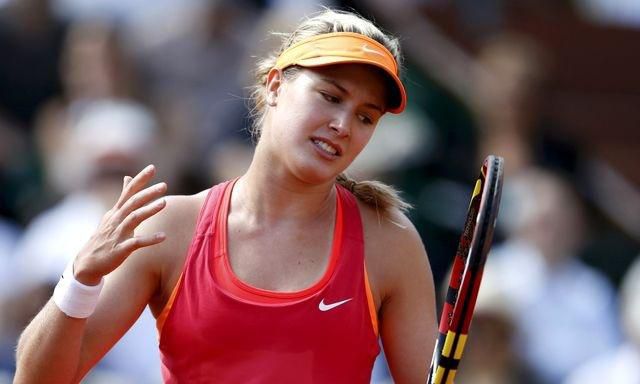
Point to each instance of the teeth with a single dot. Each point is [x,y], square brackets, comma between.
[326,147]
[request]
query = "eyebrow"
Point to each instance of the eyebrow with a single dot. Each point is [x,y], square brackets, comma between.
[344,90]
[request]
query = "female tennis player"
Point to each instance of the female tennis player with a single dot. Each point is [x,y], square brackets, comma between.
[288,274]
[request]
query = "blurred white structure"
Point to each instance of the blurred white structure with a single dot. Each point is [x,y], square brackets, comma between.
[621,366]
[108,140]
[565,310]
[620,12]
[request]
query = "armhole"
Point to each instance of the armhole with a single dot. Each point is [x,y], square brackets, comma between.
[370,303]
[167,308]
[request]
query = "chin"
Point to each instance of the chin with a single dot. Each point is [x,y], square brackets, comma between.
[316,174]
[316,178]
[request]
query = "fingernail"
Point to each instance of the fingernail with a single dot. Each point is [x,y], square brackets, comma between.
[161,235]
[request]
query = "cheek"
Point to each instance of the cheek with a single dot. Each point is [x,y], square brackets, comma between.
[360,138]
[290,129]
[299,118]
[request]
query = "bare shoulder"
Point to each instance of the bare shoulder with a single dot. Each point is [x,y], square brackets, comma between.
[393,229]
[391,235]
[178,221]
[393,249]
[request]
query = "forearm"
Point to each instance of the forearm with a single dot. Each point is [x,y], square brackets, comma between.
[50,347]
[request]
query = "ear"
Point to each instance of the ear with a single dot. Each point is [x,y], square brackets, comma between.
[274,82]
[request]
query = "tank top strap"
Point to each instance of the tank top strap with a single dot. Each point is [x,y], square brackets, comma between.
[210,208]
[349,270]
[352,222]
[352,271]
[204,227]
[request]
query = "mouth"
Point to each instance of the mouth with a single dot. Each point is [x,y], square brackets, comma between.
[326,147]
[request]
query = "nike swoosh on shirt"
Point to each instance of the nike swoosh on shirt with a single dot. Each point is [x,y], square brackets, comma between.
[326,307]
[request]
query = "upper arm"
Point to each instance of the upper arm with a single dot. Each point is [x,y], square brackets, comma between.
[407,314]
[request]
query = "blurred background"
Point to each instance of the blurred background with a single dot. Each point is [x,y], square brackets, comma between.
[93,90]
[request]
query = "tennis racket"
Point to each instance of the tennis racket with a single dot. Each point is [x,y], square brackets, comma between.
[466,275]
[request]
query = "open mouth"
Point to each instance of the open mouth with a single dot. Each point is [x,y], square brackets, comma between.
[326,147]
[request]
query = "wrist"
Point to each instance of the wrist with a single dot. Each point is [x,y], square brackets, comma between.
[74,298]
[84,277]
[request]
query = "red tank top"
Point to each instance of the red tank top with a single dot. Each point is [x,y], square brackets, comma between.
[217,329]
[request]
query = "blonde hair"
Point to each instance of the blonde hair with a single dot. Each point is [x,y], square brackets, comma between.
[382,197]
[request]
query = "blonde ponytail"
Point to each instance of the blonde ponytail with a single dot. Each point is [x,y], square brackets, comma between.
[384,198]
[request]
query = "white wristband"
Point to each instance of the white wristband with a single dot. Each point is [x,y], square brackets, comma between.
[74,298]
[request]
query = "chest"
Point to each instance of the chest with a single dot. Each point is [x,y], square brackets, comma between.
[284,258]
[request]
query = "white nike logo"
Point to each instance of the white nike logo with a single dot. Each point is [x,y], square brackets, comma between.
[366,48]
[325,307]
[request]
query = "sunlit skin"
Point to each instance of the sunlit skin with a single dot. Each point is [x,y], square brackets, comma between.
[294,215]
[290,174]
[339,104]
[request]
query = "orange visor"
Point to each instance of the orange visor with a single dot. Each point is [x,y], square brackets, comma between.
[343,48]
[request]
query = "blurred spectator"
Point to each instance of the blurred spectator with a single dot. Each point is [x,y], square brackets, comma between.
[196,82]
[621,366]
[514,106]
[508,97]
[30,47]
[127,13]
[490,355]
[96,64]
[110,139]
[617,199]
[94,67]
[18,175]
[30,44]
[565,311]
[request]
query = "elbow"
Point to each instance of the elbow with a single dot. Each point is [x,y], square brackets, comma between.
[22,372]
[19,355]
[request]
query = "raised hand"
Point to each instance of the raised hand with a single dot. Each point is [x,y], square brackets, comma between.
[115,238]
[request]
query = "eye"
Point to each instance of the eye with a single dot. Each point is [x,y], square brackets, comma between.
[365,119]
[330,98]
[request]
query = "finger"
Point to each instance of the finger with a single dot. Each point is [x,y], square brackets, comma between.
[136,217]
[136,184]
[142,198]
[127,180]
[130,245]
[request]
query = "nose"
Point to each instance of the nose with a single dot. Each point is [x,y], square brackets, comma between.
[340,125]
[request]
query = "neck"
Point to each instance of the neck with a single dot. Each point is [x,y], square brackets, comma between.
[269,196]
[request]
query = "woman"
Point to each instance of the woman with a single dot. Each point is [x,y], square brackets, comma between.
[287,274]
